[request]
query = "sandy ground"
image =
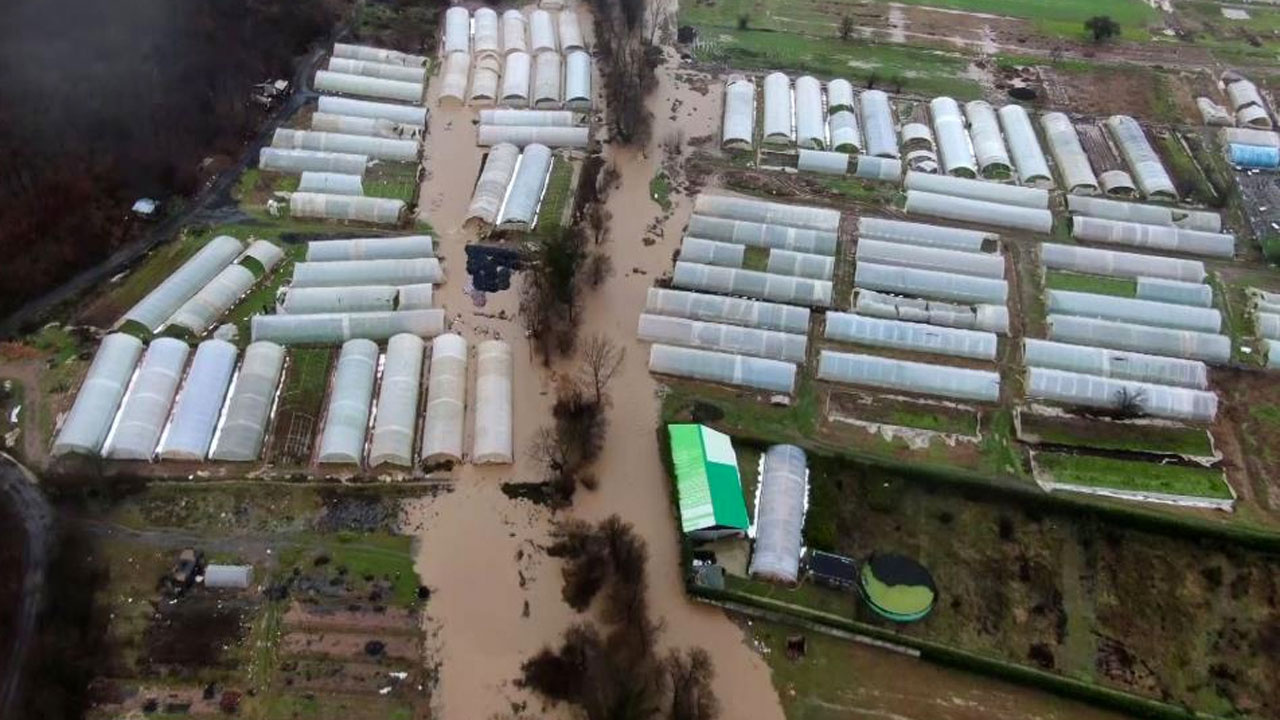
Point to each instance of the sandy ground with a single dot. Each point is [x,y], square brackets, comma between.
[495,595]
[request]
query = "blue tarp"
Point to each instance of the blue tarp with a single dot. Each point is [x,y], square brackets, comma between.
[1255,156]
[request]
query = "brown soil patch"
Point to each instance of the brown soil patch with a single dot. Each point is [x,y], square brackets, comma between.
[319,618]
[350,646]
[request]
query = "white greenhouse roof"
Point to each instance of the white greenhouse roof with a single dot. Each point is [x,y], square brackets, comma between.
[736,311]
[350,397]
[711,252]
[1119,264]
[1143,161]
[878,125]
[726,368]
[723,338]
[146,408]
[917,337]
[930,283]
[491,188]
[402,247]
[199,403]
[1153,237]
[334,328]
[1214,349]
[1119,364]
[913,233]
[913,377]
[524,135]
[990,265]
[343,273]
[979,212]
[1068,154]
[985,190]
[253,393]
[407,114]
[755,234]
[87,424]
[442,426]
[374,147]
[314,181]
[525,194]
[397,414]
[777,109]
[374,54]
[1132,310]
[779,518]
[350,66]
[988,143]
[739,125]
[806,265]
[386,211]
[213,300]
[954,148]
[1024,146]
[296,161]
[1109,393]
[991,318]
[492,441]
[1175,291]
[381,88]
[752,283]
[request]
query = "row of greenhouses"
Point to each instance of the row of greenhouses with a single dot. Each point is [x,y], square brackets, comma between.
[511,187]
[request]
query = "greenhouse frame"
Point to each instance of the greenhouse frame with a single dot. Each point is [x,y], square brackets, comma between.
[769,213]
[735,311]
[805,265]
[253,393]
[385,211]
[711,252]
[809,118]
[162,302]
[1118,364]
[1119,264]
[296,161]
[346,419]
[1068,154]
[386,71]
[1156,237]
[145,410]
[492,436]
[347,84]
[1131,310]
[777,109]
[980,316]
[763,235]
[524,197]
[930,284]
[986,191]
[411,115]
[87,424]
[491,188]
[979,212]
[334,328]
[953,140]
[443,421]
[331,183]
[722,338]
[1210,348]
[988,143]
[916,337]
[781,500]
[374,147]
[1145,164]
[401,247]
[752,283]
[344,273]
[199,403]
[1163,401]
[724,368]
[911,377]
[877,124]
[912,233]
[880,252]
[1024,147]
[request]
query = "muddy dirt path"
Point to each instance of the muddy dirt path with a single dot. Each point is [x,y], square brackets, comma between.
[27,374]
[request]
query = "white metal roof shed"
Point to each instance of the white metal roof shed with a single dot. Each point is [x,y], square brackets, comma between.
[492,441]
[146,408]
[350,397]
[199,403]
[253,393]
[89,420]
[442,425]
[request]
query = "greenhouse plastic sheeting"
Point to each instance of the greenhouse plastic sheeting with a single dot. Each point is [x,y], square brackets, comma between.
[918,136]
[726,368]
[513,32]
[486,80]
[724,338]
[89,421]
[898,231]
[577,80]
[160,304]
[415,297]
[572,137]
[1143,161]
[379,148]
[1119,210]
[930,283]
[146,409]
[1068,154]
[711,252]
[1141,312]
[739,127]
[777,109]
[751,283]
[352,299]
[346,207]
[839,96]
[1255,156]
[842,127]
[442,425]
[487,36]
[1250,136]
[1117,182]
[1024,147]
[397,414]
[570,31]
[918,337]
[547,72]
[333,328]
[806,265]
[1173,291]
[401,247]
[404,73]
[736,311]
[810,125]
[1119,364]
[979,212]
[215,298]
[1119,264]
[771,213]
[988,143]
[762,235]
[989,265]
[978,190]
[347,84]
[981,316]
[412,115]
[457,30]
[781,500]
[1268,325]
[1273,354]
[1109,393]
[350,398]
[1213,349]
[953,141]
[453,80]
[373,54]
[527,118]
[491,188]
[343,273]
[905,376]
[296,161]
[492,435]
[525,194]
[253,394]
[542,33]
[333,183]
[877,124]
[199,404]
[823,161]
[1254,117]
[877,168]
[1155,237]
[268,254]
[516,77]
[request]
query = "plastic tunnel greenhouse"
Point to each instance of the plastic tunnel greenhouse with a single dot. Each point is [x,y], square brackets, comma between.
[457,30]
[397,414]
[1109,393]
[547,72]
[403,247]
[86,426]
[296,161]
[953,141]
[1068,154]
[846,136]
[1118,364]
[988,143]
[1213,349]
[930,283]
[442,426]
[577,80]
[711,252]
[877,124]
[350,399]
[723,338]
[373,54]
[777,109]
[252,397]
[979,212]
[981,316]
[453,81]
[912,377]
[146,408]
[214,299]
[978,190]
[917,337]
[413,115]
[805,265]
[809,118]
[990,265]
[199,403]
[492,435]
[525,194]
[352,299]
[830,163]
[486,80]
[781,500]
[1203,220]
[1024,147]
[523,135]
[1120,264]
[334,328]
[1154,237]
[491,188]
[1132,310]
[736,311]
[708,485]
[514,32]
[347,84]
[542,33]
[754,234]
[368,68]
[160,304]
[726,368]
[332,183]
[875,168]
[1174,291]
[384,211]
[840,96]
[343,273]
[378,148]
[527,118]
[356,125]
[770,213]
[516,75]
[570,31]
[1143,161]
[911,233]
[752,283]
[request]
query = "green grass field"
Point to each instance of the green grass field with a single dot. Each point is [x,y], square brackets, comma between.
[660,190]
[1134,475]
[263,294]
[1120,287]
[395,180]
[558,195]
[1116,436]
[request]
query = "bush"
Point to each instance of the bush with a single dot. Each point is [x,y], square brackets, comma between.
[744,21]
[1271,247]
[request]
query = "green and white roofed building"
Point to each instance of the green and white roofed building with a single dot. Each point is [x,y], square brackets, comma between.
[707,482]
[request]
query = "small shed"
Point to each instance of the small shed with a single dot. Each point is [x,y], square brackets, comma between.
[235,577]
[708,485]
[834,571]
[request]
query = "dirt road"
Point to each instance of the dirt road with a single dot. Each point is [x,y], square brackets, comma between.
[18,489]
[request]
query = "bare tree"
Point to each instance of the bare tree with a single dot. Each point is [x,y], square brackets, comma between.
[601,360]
[690,674]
